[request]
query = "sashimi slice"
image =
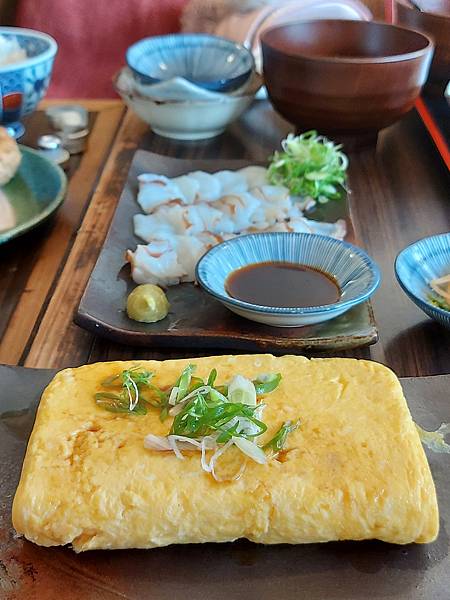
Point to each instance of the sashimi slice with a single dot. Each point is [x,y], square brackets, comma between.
[155,263]
[255,176]
[189,187]
[210,188]
[232,182]
[240,208]
[155,190]
[148,227]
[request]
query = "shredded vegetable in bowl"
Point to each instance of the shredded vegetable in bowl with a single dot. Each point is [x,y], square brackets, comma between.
[207,418]
[310,166]
[441,288]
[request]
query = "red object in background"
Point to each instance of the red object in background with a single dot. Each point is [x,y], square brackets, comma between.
[93,36]
[427,118]
[12,101]
[434,131]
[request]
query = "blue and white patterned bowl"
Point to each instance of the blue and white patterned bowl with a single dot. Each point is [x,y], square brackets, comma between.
[208,61]
[357,275]
[24,83]
[418,264]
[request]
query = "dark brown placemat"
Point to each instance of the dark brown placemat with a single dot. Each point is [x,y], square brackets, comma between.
[332,571]
[195,319]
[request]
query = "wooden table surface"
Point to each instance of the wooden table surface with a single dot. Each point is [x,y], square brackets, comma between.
[400,192]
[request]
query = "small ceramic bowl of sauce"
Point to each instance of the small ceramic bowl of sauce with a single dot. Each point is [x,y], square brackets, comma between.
[288,279]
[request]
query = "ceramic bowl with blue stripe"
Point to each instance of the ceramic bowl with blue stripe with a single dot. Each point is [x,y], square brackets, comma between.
[417,265]
[24,83]
[356,274]
[208,61]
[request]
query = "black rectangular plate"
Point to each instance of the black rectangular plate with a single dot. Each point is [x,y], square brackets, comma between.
[332,571]
[196,320]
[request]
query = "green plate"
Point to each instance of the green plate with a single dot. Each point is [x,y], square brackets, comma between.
[35,192]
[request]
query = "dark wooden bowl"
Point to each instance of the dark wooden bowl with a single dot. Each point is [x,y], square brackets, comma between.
[436,23]
[348,79]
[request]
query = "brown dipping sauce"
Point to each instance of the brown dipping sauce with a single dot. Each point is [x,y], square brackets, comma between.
[282,284]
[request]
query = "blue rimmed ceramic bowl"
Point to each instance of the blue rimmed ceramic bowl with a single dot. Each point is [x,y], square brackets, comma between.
[208,61]
[418,264]
[24,83]
[357,275]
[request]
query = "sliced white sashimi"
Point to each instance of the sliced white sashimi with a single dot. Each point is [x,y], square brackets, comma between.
[240,209]
[232,182]
[301,225]
[155,263]
[209,189]
[277,194]
[255,176]
[189,187]
[180,220]
[181,223]
[149,227]
[171,259]
[275,204]
[211,239]
[336,230]
[155,190]
[207,218]
[190,249]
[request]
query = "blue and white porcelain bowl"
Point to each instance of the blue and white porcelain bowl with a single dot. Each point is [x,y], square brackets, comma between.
[417,265]
[356,274]
[192,118]
[208,61]
[24,83]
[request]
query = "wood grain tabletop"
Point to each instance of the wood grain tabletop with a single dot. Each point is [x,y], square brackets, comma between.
[400,192]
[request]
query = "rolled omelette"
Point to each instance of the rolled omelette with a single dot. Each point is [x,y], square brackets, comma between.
[355,468]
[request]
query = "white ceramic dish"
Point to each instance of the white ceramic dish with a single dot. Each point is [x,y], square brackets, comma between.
[186,119]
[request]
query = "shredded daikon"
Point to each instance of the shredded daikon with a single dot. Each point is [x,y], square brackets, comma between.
[217,454]
[441,288]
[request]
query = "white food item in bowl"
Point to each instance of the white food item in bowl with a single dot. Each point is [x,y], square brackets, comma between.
[11,51]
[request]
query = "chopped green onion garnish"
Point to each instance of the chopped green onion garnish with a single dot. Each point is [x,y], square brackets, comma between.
[310,165]
[128,400]
[184,382]
[265,384]
[119,403]
[277,443]
[212,377]
[206,416]
[201,417]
